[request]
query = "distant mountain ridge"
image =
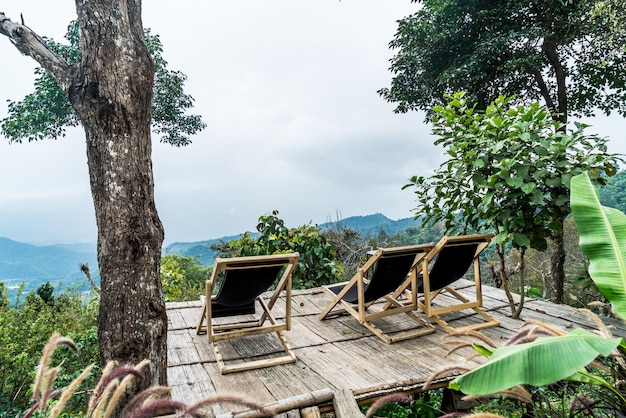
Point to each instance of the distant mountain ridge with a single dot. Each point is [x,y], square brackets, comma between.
[200,249]
[368,225]
[33,265]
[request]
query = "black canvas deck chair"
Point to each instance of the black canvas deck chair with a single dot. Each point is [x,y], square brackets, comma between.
[449,261]
[385,271]
[239,283]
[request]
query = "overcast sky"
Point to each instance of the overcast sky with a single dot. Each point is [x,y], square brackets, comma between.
[288,91]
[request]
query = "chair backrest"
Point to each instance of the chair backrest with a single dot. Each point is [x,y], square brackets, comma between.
[390,271]
[451,264]
[246,278]
[454,258]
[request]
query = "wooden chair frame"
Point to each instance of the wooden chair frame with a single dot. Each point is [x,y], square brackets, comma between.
[393,305]
[425,303]
[244,326]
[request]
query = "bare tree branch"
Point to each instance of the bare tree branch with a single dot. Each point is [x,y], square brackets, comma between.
[31,44]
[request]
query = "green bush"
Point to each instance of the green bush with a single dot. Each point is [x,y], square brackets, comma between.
[426,405]
[318,263]
[183,278]
[25,329]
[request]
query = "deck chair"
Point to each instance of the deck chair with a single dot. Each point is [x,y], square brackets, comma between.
[240,282]
[388,269]
[449,261]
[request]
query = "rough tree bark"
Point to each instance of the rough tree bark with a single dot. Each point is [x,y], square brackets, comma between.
[111,91]
[557,260]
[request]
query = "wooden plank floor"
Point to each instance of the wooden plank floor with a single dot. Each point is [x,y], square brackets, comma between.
[337,353]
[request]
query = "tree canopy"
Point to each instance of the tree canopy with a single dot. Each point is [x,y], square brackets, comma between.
[508,170]
[47,112]
[569,54]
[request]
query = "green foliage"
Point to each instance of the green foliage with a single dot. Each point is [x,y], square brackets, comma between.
[169,101]
[318,264]
[47,112]
[547,360]
[183,278]
[45,292]
[426,406]
[508,169]
[613,194]
[24,330]
[4,297]
[570,54]
[75,362]
[603,239]
[540,362]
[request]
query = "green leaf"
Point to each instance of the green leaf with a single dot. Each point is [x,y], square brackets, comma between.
[521,240]
[478,163]
[514,181]
[483,350]
[528,187]
[584,376]
[541,362]
[603,240]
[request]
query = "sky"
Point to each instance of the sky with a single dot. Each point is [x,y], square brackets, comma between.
[287,89]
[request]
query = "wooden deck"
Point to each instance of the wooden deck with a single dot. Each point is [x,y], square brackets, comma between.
[337,355]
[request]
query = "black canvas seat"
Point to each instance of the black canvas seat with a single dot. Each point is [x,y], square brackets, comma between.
[450,260]
[233,298]
[240,283]
[387,270]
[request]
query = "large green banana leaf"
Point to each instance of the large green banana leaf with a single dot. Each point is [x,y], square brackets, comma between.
[602,239]
[541,362]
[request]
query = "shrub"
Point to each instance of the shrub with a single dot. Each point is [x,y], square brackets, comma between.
[24,330]
[318,263]
[183,278]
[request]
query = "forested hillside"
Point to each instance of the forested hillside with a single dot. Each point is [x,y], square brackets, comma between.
[34,265]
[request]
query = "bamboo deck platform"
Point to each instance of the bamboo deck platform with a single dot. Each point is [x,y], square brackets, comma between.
[337,356]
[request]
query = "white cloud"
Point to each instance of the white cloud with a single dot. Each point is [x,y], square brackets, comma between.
[288,90]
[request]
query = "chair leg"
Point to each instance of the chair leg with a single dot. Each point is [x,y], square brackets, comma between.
[202,316]
[289,357]
[476,306]
[489,322]
[336,300]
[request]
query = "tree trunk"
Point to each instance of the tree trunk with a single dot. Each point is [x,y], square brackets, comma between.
[557,260]
[111,91]
[505,278]
[522,283]
[559,109]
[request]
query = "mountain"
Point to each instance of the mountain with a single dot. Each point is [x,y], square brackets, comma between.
[369,225]
[201,249]
[34,265]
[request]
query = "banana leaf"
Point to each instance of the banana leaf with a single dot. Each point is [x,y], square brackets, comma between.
[603,240]
[541,362]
